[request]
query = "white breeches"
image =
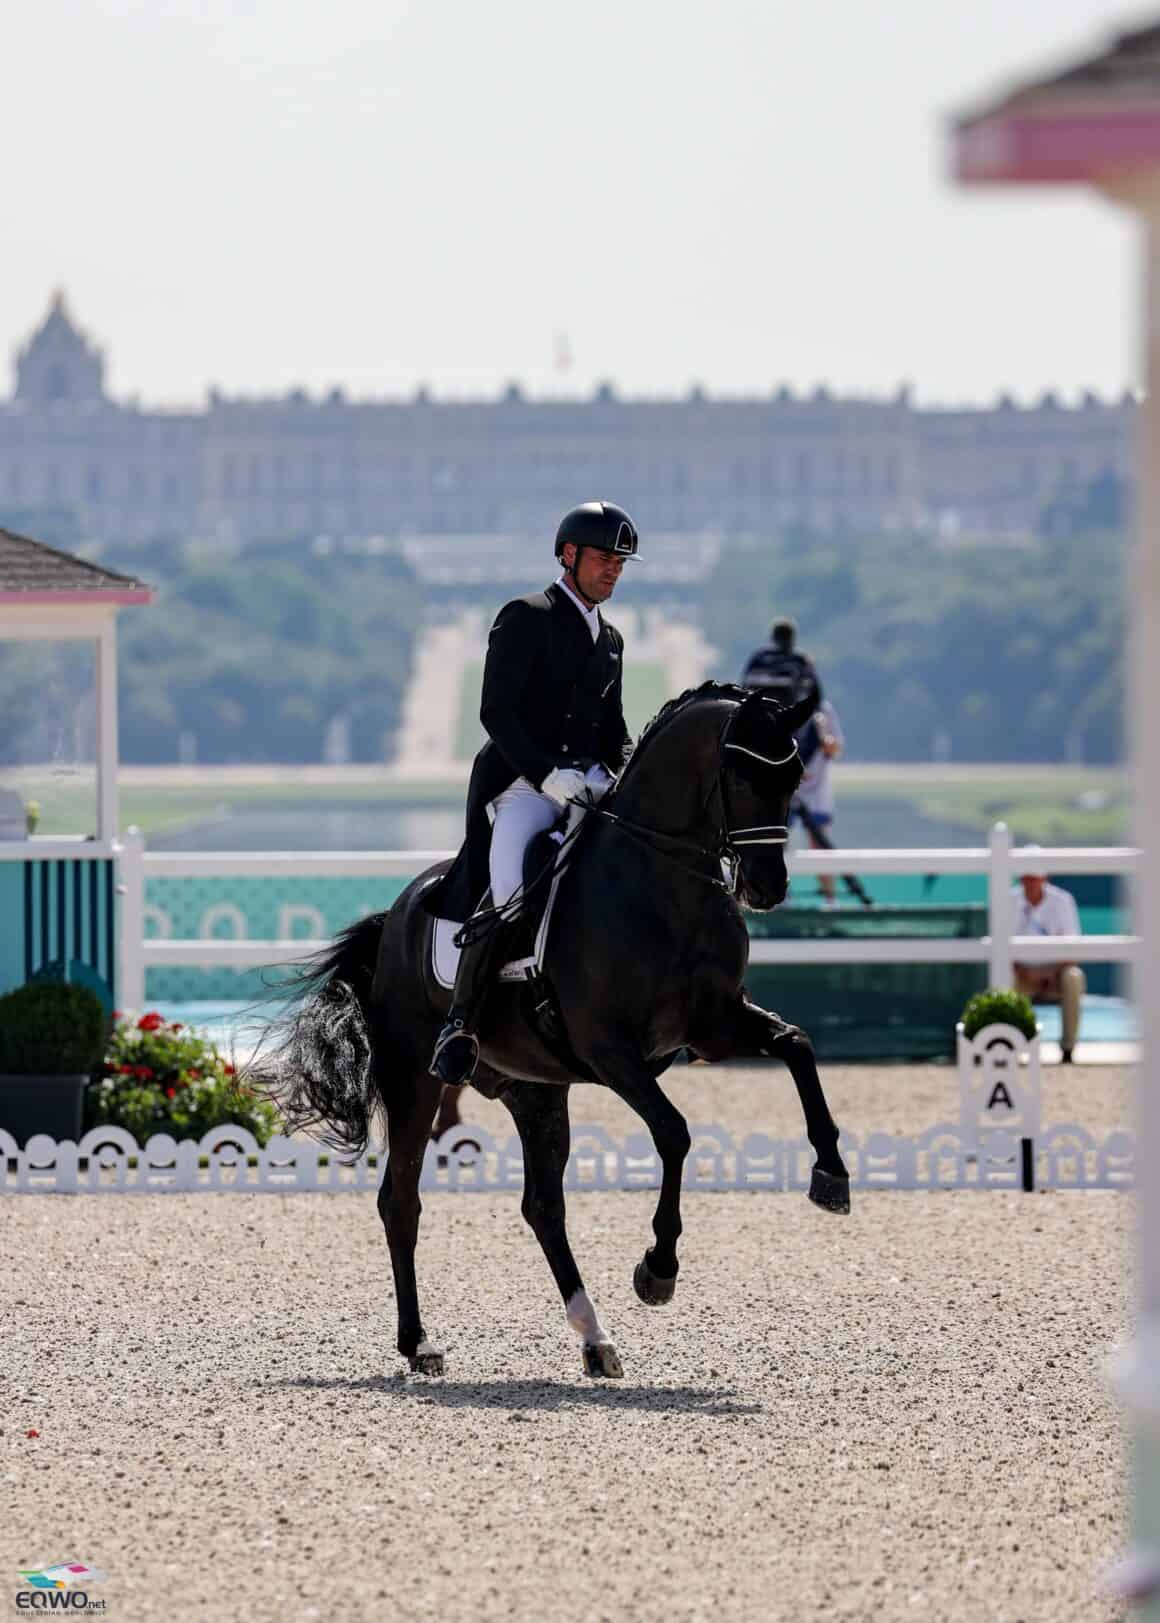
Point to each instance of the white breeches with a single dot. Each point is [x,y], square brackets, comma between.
[521,813]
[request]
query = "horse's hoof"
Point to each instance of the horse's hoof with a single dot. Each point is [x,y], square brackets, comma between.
[601,1359]
[831,1193]
[651,1289]
[426,1360]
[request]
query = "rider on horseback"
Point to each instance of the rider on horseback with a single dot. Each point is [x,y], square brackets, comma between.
[553,712]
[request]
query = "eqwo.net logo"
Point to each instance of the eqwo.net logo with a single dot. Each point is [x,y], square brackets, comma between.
[62,1587]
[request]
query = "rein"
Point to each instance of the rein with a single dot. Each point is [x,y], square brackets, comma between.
[729,839]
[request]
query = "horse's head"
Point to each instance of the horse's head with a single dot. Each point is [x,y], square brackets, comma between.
[760,772]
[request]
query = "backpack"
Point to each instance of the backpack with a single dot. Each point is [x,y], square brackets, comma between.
[781,674]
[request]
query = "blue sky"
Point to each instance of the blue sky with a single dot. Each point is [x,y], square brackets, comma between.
[267,193]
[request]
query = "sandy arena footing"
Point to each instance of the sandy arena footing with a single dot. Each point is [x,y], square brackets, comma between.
[894,1415]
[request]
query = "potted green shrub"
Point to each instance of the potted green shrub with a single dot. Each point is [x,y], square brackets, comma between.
[52,1037]
[999,1007]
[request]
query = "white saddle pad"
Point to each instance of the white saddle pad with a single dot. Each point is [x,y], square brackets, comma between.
[445,954]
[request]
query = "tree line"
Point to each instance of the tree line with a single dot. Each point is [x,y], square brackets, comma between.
[972,651]
[259,655]
[1005,651]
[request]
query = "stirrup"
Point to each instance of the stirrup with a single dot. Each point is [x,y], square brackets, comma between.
[455,1055]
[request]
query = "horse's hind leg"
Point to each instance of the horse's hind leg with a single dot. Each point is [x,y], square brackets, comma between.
[540,1113]
[411,1097]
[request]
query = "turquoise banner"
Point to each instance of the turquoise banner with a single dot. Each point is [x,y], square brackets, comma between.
[293,907]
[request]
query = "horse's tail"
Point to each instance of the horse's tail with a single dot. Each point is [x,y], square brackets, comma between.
[321,1072]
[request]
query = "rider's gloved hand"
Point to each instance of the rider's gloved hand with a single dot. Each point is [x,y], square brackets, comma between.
[598,780]
[563,783]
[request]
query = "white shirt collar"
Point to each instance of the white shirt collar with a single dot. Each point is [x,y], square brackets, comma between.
[591,616]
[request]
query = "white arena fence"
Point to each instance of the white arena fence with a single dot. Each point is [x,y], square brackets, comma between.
[108,1161]
[1001,863]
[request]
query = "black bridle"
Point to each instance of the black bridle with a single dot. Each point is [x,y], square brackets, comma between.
[729,838]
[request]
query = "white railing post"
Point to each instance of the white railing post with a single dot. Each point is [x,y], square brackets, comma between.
[999,877]
[131,942]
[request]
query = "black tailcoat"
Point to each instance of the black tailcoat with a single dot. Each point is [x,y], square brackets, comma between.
[551,697]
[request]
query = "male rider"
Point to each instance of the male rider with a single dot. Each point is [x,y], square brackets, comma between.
[554,715]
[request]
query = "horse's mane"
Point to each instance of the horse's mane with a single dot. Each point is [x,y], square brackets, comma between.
[707,690]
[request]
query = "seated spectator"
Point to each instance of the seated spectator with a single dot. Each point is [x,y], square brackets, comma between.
[1043,909]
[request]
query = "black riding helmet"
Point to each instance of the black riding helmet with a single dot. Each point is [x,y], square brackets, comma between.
[602,525]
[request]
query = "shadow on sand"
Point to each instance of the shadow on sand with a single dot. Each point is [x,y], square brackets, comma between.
[519,1396]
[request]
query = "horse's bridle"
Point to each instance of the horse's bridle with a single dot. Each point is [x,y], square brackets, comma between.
[761,833]
[730,838]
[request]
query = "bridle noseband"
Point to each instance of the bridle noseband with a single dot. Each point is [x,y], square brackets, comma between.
[761,833]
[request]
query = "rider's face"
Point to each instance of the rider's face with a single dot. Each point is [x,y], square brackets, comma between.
[595,573]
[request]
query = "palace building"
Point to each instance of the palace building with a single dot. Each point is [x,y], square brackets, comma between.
[77,466]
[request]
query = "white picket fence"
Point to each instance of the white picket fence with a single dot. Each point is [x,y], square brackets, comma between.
[107,1160]
[998,860]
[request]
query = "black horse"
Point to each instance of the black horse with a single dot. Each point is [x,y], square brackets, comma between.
[646,950]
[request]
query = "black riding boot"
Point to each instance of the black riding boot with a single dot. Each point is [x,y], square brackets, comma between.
[456,1049]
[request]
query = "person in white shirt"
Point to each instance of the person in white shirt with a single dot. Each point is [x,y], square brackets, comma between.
[820,742]
[1043,909]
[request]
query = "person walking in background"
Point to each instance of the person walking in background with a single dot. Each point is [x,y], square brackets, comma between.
[1044,909]
[819,742]
[779,669]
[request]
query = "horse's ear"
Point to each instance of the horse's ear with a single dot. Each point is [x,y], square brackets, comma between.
[797,715]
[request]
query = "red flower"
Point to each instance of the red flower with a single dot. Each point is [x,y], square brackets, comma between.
[229,1070]
[171,1093]
[142,1072]
[150,1021]
[177,1026]
[32,1433]
[127,1070]
[116,1014]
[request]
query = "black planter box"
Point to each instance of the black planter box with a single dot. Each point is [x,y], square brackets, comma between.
[42,1104]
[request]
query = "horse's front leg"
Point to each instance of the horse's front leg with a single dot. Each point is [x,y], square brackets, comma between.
[540,1113]
[755,1031]
[626,1074]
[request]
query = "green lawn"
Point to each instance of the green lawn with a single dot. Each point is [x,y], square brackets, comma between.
[69,807]
[1050,806]
[1063,805]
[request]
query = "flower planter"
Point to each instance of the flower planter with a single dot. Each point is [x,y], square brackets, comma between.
[42,1104]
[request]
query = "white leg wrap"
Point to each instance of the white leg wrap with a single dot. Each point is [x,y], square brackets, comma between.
[582,1318]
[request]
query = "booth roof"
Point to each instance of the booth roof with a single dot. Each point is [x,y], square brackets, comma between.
[1094,121]
[31,572]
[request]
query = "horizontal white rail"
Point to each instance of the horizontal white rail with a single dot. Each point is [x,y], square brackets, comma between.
[406,864]
[52,848]
[999,949]
[968,859]
[312,864]
[1025,949]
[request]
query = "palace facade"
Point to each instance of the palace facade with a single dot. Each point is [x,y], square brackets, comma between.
[80,467]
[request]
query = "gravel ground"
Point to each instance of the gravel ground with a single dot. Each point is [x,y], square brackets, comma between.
[896,1415]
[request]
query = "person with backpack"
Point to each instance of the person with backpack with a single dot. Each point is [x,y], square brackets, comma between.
[780,670]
